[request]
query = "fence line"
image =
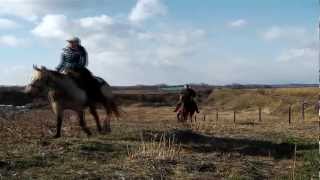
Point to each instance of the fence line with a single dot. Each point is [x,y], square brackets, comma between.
[290,115]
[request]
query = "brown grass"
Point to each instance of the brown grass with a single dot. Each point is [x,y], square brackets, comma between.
[206,149]
[163,149]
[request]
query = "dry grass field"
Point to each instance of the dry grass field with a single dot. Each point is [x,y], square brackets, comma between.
[148,143]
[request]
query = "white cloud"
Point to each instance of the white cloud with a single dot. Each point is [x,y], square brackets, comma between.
[302,54]
[33,9]
[238,23]
[272,33]
[145,9]
[246,70]
[7,24]
[9,40]
[96,22]
[288,33]
[128,59]
[53,26]
[124,54]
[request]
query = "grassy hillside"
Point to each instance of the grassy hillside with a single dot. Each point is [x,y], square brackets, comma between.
[271,100]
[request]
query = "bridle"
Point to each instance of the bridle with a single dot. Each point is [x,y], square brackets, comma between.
[38,86]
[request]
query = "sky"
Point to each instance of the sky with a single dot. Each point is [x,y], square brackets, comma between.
[132,42]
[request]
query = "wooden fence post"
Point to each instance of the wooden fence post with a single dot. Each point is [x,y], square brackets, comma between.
[217,115]
[318,113]
[303,108]
[319,120]
[260,118]
[290,114]
[234,117]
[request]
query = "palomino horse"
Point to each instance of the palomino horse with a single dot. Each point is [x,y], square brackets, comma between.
[64,94]
[186,111]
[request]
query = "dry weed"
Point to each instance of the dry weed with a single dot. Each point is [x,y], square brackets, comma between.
[164,149]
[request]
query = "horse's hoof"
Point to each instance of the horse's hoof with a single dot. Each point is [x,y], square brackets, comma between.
[107,131]
[56,136]
[88,133]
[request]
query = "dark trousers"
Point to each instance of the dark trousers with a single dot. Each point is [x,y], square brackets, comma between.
[86,81]
[180,103]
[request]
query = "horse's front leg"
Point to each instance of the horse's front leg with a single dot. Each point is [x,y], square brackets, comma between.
[191,117]
[185,116]
[59,118]
[94,113]
[83,123]
[106,126]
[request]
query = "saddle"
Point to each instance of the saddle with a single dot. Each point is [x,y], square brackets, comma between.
[189,104]
[86,81]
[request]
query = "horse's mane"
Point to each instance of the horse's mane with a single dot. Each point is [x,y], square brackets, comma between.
[56,73]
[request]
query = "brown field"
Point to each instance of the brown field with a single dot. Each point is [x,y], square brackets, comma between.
[148,143]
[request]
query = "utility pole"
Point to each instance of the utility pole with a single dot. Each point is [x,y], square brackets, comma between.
[318,105]
[319,50]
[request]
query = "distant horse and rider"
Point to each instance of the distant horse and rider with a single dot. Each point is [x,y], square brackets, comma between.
[187,105]
[73,87]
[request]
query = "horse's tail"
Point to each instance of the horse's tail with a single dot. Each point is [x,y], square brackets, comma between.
[109,101]
[113,108]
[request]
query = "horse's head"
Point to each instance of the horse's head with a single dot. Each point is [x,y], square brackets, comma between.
[38,82]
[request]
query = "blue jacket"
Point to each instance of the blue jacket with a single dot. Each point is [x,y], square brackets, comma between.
[73,58]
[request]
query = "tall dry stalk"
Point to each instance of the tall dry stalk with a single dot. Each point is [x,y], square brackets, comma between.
[294,162]
[164,149]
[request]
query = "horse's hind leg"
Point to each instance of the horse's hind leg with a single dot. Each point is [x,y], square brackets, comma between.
[94,113]
[106,126]
[190,117]
[83,123]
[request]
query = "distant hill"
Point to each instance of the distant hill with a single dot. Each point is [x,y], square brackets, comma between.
[157,94]
[14,96]
[255,86]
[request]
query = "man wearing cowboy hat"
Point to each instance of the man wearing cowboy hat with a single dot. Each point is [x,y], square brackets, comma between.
[73,56]
[74,60]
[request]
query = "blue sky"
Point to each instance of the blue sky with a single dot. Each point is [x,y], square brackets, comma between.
[165,41]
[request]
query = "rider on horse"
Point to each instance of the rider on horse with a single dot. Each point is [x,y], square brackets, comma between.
[187,95]
[74,60]
[73,56]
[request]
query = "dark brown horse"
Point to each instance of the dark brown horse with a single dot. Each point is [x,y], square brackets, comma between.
[65,94]
[186,111]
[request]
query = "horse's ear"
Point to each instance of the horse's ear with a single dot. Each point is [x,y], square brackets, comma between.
[35,67]
[43,68]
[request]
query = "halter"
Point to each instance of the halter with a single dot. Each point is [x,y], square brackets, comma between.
[39,87]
